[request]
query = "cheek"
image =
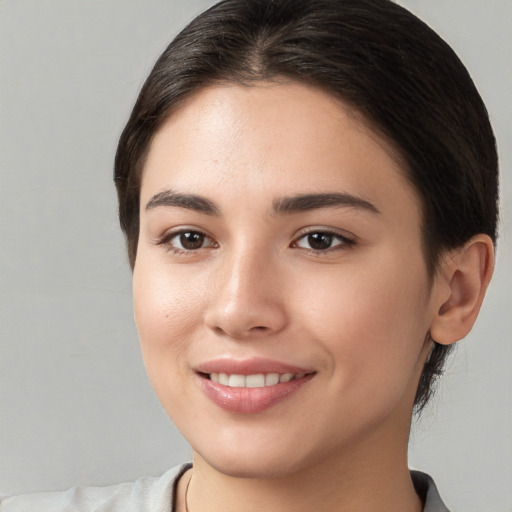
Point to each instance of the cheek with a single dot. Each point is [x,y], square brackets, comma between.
[167,309]
[376,317]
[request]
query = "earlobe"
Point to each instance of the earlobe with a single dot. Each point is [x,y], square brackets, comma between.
[465,273]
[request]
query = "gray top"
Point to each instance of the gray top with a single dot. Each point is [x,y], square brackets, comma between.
[152,494]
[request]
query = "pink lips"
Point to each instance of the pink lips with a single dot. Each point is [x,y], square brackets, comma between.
[250,400]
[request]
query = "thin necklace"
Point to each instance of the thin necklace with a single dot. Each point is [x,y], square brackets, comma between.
[186,494]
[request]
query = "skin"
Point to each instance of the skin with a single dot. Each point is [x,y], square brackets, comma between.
[356,313]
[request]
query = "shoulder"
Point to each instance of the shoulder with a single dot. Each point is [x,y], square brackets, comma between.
[427,490]
[145,494]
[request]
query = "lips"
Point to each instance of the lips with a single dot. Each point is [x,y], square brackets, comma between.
[250,386]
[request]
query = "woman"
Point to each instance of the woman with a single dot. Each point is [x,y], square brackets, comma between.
[308,192]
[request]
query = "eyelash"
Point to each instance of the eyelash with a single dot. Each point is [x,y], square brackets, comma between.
[343,241]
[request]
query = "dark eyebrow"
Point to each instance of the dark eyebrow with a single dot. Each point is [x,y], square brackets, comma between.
[188,201]
[306,202]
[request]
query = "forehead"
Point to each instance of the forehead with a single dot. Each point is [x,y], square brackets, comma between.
[271,138]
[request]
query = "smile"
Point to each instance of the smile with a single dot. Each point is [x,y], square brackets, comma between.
[251,385]
[253,393]
[258,380]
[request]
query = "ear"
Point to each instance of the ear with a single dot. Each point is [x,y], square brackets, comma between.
[460,287]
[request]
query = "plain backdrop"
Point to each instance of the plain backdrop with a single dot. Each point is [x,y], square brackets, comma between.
[75,404]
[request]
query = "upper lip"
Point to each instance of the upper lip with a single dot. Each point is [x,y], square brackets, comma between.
[250,366]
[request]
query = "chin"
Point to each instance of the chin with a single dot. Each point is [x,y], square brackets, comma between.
[258,459]
[241,466]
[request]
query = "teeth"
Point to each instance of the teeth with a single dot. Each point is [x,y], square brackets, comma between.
[255,381]
[236,381]
[271,379]
[258,380]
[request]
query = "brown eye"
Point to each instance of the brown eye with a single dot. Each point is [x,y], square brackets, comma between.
[191,240]
[322,241]
[187,241]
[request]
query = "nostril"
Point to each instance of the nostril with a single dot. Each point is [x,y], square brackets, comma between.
[218,330]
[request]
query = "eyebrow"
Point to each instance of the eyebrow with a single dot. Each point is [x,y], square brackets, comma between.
[188,201]
[307,202]
[285,205]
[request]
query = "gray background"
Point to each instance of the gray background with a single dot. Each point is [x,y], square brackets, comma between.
[75,405]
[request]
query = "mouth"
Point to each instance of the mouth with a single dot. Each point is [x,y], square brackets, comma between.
[257,380]
[251,386]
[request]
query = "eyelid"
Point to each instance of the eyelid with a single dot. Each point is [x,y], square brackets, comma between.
[346,235]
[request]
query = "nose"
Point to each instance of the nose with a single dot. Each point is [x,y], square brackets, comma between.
[247,300]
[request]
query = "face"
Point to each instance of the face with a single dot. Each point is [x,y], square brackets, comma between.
[280,289]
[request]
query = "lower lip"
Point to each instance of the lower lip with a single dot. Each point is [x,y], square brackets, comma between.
[251,400]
